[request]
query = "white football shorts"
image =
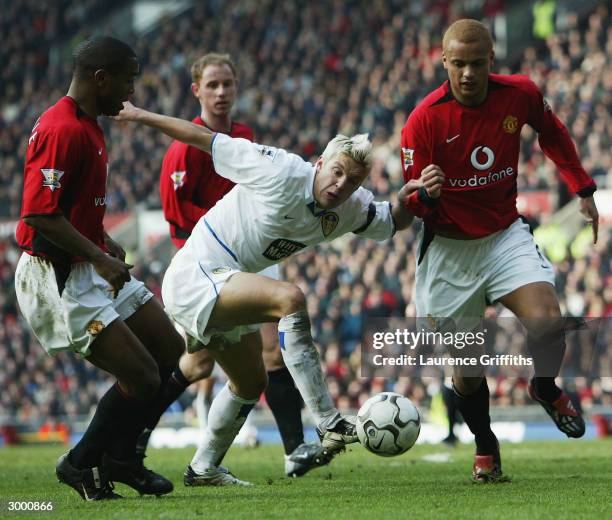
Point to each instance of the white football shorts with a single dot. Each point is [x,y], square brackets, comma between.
[73,319]
[458,278]
[190,290]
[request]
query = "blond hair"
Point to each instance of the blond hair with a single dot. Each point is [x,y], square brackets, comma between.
[212,58]
[467,31]
[357,147]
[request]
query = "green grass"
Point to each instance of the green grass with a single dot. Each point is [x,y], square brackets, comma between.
[571,479]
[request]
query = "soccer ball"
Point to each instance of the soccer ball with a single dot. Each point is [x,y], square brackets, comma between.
[388,424]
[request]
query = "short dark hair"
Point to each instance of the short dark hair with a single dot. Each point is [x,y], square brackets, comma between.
[101,52]
[212,58]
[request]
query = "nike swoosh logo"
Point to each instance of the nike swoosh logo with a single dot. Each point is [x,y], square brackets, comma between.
[289,218]
[452,139]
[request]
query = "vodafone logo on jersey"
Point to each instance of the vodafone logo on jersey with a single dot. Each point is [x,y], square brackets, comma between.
[482,158]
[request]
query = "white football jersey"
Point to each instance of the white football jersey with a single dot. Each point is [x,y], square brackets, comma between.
[271,213]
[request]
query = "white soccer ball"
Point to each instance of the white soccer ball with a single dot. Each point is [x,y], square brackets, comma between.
[388,424]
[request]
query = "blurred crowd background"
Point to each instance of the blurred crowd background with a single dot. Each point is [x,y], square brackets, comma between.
[307,70]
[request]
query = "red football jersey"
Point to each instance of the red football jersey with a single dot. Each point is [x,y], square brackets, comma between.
[478,150]
[65,173]
[189,185]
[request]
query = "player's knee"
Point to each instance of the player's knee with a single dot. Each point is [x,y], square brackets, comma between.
[144,386]
[196,367]
[543,309]
[201,370]
[548,329]
[549,310]
[291,299]
[252,388]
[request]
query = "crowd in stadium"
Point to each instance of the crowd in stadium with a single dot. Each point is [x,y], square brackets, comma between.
[306,71]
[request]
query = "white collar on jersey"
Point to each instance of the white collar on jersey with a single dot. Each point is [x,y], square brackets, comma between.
[311,203]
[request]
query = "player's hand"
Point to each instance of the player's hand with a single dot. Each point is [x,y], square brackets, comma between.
[432,178]
[128,113]
[116,272]
[114,249]
[589,210]
[408,189]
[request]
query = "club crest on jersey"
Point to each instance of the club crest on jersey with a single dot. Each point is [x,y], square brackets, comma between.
[178,179]
[95,327]
[51,178]
[510,124]
[329,222]
[408,155]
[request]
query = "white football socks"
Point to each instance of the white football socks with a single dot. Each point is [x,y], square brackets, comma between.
[225,418]
[247,436]
[201,409]
[302,360]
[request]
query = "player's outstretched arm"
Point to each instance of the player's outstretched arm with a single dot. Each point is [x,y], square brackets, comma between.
[431,180]
[178,129]
[402,217]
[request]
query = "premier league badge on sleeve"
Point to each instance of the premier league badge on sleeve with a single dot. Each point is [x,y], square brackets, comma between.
[51,178]
[408,155]
[267,151]
[178,179]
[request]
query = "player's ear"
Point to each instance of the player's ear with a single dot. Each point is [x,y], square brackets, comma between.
[195,89]
[444,61]
[319,163]
[491,57]
[100,76]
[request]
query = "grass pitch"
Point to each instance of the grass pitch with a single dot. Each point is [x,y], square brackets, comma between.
[568,479]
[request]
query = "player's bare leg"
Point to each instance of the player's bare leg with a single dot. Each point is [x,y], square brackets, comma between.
[537,307]
[191,368]
[197,367]
[155,332]
[204,397]
[249,298]
[118,351]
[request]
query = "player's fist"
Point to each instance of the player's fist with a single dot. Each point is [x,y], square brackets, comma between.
[432,179]
[590,213]
[128,113]
[116,272]
[408,189]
